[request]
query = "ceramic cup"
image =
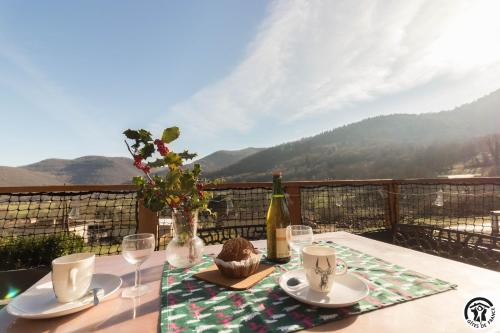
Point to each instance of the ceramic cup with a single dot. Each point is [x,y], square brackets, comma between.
[71,276]
[320,265]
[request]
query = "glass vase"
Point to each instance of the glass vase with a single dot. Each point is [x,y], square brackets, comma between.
[185,249]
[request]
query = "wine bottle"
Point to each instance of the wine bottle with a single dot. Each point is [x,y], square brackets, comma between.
[278,218]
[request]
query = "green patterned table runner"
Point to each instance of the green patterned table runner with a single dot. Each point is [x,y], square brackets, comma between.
[192,305]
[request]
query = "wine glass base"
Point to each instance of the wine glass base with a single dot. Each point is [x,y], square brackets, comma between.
[132,292]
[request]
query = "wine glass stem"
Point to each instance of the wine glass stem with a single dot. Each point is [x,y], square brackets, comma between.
[137,276]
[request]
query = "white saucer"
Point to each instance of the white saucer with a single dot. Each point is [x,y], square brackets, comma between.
[40,302]
[347,290]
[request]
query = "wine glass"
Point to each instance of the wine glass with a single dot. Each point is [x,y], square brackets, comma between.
[136,249]
[299,236]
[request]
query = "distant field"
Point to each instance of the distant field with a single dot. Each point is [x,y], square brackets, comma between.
[453,221]
[50,209]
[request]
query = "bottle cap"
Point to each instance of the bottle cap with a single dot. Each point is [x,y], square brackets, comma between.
[277,173]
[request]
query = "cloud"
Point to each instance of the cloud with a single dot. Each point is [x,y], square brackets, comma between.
[318,57]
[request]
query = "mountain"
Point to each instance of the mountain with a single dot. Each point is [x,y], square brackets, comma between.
[87,170]
[399,145]
[99,169]
[393,146]
[224,158]
[10,176]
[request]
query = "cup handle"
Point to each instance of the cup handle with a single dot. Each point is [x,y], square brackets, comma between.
[344,267]
[72,278]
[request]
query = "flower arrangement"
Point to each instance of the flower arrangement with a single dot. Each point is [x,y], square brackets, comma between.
[178,189]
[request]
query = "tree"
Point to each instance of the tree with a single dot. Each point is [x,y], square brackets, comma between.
[493,144]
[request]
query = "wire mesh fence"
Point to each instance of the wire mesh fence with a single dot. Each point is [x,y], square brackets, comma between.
[242,212]
[237,212]
[450,220]
[447,219]
[451,206]
[352,208]
[37,227]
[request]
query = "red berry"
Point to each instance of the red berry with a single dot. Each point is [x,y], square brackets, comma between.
[160,145]
[139,165]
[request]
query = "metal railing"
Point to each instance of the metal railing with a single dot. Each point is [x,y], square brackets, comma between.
[449,218]
[40,223]
[446,217]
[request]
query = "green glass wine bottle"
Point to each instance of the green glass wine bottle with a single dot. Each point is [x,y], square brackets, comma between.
[278,218]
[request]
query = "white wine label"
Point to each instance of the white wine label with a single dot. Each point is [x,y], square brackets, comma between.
[282,248]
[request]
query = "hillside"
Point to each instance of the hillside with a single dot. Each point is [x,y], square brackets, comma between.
[99,169]
[10,176]
[87,170]
[224,158]
[386,146]
[394,146]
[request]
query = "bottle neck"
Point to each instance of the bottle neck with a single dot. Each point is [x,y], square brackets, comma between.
[277,188]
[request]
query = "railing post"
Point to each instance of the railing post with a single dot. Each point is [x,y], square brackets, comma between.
[388,206]
[393,203]
[147,221]
[294,204]
[494,222]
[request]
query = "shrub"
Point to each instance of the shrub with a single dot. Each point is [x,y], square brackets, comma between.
[35,251]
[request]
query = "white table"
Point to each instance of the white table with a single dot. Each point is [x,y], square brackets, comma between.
[437,313]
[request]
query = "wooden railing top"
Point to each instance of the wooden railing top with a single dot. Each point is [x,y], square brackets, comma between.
[451,181]
[66,188]
[303,183]
[354,182]
[249,185]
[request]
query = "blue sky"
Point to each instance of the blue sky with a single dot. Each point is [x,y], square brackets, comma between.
[230,74]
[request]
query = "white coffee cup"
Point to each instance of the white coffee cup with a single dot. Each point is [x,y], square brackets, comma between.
[71,276]
[320,265]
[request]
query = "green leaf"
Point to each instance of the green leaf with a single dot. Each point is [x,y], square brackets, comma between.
[185,155]
[154,204]
[196,169]
[158,180]
[170,134]
[173,159]
[188,183]
[147,150]
[172,180]
[145,136]
[159,162]
[138,180]
[131,134]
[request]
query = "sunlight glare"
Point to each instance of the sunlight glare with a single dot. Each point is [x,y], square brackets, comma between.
[470,38]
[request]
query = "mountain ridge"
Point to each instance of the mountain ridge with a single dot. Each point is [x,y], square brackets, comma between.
[466,122]
[16,176]
[90,169]
[386,146]
[222,158]
[95,169]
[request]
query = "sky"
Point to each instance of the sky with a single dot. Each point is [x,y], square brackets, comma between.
[231,74]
